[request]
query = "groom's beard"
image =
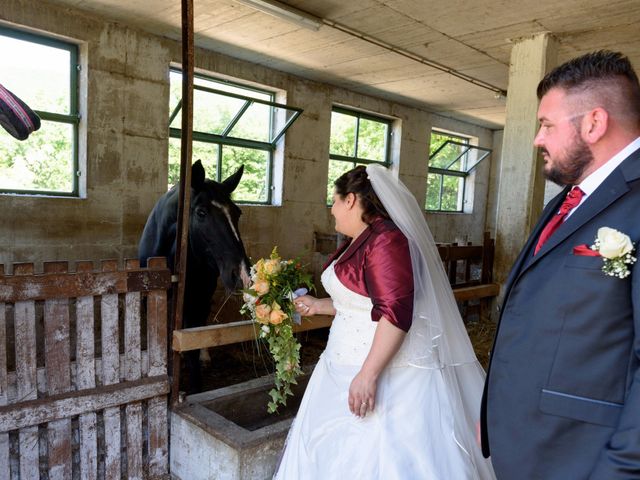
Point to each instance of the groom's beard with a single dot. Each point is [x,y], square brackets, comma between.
[569,168]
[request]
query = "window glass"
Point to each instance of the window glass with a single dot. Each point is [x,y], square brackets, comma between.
[356,138]
[233,126]
[447,172]
[42,72]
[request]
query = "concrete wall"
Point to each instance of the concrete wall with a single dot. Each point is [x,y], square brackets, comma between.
[124,147]
[123,144]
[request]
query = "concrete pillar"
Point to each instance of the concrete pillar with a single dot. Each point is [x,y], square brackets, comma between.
[521,188]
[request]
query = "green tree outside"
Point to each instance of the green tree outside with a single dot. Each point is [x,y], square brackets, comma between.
[371,145]
[212,114]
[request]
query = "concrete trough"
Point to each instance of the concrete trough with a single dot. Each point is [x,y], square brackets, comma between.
[227,434]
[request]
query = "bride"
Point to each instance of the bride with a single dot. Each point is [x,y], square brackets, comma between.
[396,394]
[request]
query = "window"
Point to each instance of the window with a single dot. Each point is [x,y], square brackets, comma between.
[43,73]
[356,138]
[451,160]
[232,125]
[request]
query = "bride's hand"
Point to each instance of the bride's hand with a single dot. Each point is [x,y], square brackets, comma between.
[362,394]
[306,305]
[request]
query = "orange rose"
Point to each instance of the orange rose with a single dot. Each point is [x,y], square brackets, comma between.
[261,287]
[263,313]
[277,315]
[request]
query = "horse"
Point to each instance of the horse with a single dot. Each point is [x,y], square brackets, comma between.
[215,249]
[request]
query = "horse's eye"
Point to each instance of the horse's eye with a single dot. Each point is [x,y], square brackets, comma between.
[201,212]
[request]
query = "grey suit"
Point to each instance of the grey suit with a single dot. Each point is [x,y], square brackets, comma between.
[562,397]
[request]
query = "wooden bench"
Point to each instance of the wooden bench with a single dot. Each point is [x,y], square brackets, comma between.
[470,271]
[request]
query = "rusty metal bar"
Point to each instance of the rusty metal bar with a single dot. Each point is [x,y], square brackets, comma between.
[184,202]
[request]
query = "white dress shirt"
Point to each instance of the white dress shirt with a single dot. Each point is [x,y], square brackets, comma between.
[593,181]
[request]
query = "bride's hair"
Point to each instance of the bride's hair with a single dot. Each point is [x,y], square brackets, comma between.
[356,181]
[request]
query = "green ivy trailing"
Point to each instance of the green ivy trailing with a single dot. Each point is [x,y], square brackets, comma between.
[269,301]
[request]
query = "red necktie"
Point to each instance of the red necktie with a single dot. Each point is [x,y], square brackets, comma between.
[571,201]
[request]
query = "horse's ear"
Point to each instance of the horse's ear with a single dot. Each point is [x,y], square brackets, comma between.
[197,175]
[232,182]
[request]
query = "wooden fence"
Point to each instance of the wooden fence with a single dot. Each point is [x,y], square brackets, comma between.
[83,371]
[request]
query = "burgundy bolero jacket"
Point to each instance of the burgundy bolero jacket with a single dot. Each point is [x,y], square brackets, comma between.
[378,265]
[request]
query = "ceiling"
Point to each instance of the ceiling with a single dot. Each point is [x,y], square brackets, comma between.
[471,37]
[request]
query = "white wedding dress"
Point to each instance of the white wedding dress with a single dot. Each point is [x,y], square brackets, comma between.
[410,434]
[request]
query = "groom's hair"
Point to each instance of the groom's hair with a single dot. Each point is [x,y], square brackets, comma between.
[598,79]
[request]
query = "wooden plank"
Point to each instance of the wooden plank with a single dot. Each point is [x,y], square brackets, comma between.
[86,379]
[57,363]
[452,271]
[228,333]
[157,411]
[464,252]
[66,405]
[133,411]
[476,292]
[157,414]
[5,473]
[157,316]
[111,375]
[41,287]
[25,341]
[42,382]
[488,251]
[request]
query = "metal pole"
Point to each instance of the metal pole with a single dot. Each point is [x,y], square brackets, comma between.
[184,201]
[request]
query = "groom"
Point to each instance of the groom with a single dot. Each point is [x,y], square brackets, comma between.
[562,397]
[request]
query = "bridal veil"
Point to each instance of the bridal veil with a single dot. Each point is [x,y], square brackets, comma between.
[437,338]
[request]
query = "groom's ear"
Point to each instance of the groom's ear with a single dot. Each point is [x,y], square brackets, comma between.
[594,125]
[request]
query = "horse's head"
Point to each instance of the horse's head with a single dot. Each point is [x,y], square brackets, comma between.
[214,237]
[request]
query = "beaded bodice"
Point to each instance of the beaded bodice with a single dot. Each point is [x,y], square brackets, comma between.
[352,330]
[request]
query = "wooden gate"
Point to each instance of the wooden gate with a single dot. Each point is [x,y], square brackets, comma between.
[83,371]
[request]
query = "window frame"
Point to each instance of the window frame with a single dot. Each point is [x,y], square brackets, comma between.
[355,160]
[224,139]
[462,141]
[73,118]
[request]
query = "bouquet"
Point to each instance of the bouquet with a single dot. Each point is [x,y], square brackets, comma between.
[269,302]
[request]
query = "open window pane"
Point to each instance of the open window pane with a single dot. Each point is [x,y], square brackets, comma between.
[451,159]
[228,87]
[44,162]
[241,125]
[212,112]
[372,140]
[474,156]
[175,96]
[336,169]
[445,154]
[254,186]
[223,111]
[254,124]
[282,118]
[343,134]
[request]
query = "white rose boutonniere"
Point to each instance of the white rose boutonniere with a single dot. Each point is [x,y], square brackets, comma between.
[616,250]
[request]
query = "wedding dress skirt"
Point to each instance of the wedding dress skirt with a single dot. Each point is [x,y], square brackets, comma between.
[408,436]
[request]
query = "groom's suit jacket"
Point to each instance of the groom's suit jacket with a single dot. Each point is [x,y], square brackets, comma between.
[562,398]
